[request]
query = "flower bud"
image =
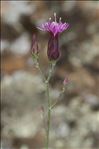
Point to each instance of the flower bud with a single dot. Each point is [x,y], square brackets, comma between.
[53,48]
[66,81]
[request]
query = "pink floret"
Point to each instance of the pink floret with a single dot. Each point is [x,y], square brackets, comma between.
[54,27]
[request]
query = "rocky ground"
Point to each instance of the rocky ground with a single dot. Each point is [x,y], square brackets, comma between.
[75,119]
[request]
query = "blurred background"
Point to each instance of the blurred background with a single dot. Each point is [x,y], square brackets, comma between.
[75,119]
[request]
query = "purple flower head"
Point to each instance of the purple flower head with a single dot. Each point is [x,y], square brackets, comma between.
[54,27]
[34,47]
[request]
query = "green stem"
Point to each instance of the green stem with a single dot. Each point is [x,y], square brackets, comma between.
[52,65]
[49,103]
[49,115]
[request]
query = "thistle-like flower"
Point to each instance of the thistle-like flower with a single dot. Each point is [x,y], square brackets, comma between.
[54,28]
